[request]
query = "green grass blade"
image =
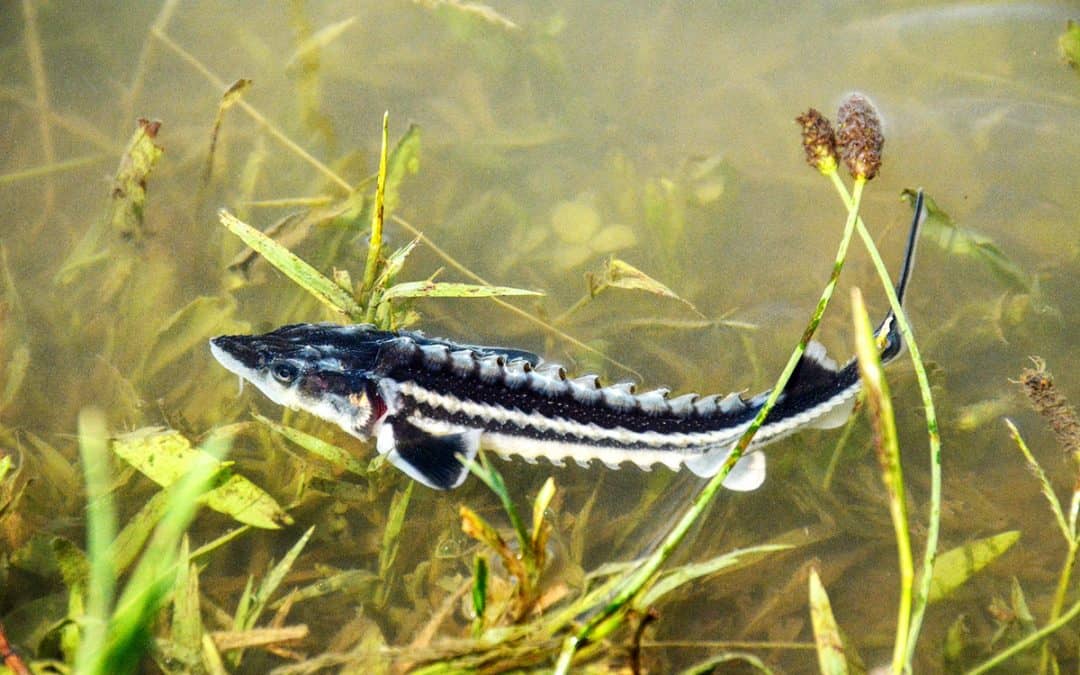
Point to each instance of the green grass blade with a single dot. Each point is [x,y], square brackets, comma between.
[681,576]
[830,644]
[153,577]
[187,627]
[328,451]
[292,266]
[127,544]
[391,539]
[1044,482]
[371,265]
[933,526]
[100,532]
[446,289]
[888,451]
[274,578]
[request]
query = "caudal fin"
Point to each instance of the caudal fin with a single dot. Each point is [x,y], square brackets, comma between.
[894,341]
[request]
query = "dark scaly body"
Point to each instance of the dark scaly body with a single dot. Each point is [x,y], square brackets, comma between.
[427,400]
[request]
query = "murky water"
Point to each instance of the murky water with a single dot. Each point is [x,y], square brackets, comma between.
[555,136]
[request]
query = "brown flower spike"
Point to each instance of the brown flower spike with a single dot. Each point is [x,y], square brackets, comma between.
[819,141]
[1039,386]
[859,136]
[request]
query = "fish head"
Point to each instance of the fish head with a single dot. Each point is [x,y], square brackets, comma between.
[323,369]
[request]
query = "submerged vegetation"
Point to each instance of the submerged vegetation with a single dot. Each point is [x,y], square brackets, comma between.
[152,519]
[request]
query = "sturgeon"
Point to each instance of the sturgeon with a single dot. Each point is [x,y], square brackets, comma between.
[430,401]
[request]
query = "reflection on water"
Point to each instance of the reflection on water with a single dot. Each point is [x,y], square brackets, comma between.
[554,136]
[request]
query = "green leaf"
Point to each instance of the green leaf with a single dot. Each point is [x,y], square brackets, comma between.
[479,589]
[830,645]
[165,456]
[394,264]
[153,578]
[357,584]
[404,160]
[1069,44]
[187,628]
[328,451]
[953,568]
[540,506]
[441,289]
[303,274]
[125,548]
[621,274]
[687,573]
[272,580]
[16,367]
[392,534]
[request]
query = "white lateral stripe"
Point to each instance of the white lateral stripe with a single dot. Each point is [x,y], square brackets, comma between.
[681,443]
[483,412]
[532,449]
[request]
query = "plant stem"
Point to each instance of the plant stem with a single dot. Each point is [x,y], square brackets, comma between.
[1026,642]
[371,266]
[1059,599]
[934,521]
[637,579]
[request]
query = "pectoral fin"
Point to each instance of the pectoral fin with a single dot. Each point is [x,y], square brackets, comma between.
[428,458]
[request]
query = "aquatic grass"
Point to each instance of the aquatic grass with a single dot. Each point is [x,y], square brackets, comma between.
[1058,618]
[527,563]
[887,446]
[851,200]
[340,281]
[159,32]
[830,644]
[371,265]
[1054,408]
[115,631]
[254,601]
[636,581]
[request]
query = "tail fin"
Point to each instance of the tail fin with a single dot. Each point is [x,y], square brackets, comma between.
[894,341]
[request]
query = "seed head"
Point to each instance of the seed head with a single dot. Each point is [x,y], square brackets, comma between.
[1039,386]
[818,140]
[859,136]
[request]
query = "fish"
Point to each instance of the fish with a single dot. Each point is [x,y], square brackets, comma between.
[430,402]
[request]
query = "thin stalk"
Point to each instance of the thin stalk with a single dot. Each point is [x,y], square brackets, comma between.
[36,57]
[371,266]
[51,169]
[636,580]
[838,450]
[142,63]
[934,521]
[1026,642]
[888,449]
[1059,599]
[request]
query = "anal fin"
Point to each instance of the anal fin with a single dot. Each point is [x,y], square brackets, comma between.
[748,473]
[430,459]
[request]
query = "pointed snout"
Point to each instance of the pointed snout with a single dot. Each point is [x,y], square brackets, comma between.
[235,352]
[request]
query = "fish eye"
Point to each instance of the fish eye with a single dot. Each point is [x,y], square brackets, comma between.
[284,372]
